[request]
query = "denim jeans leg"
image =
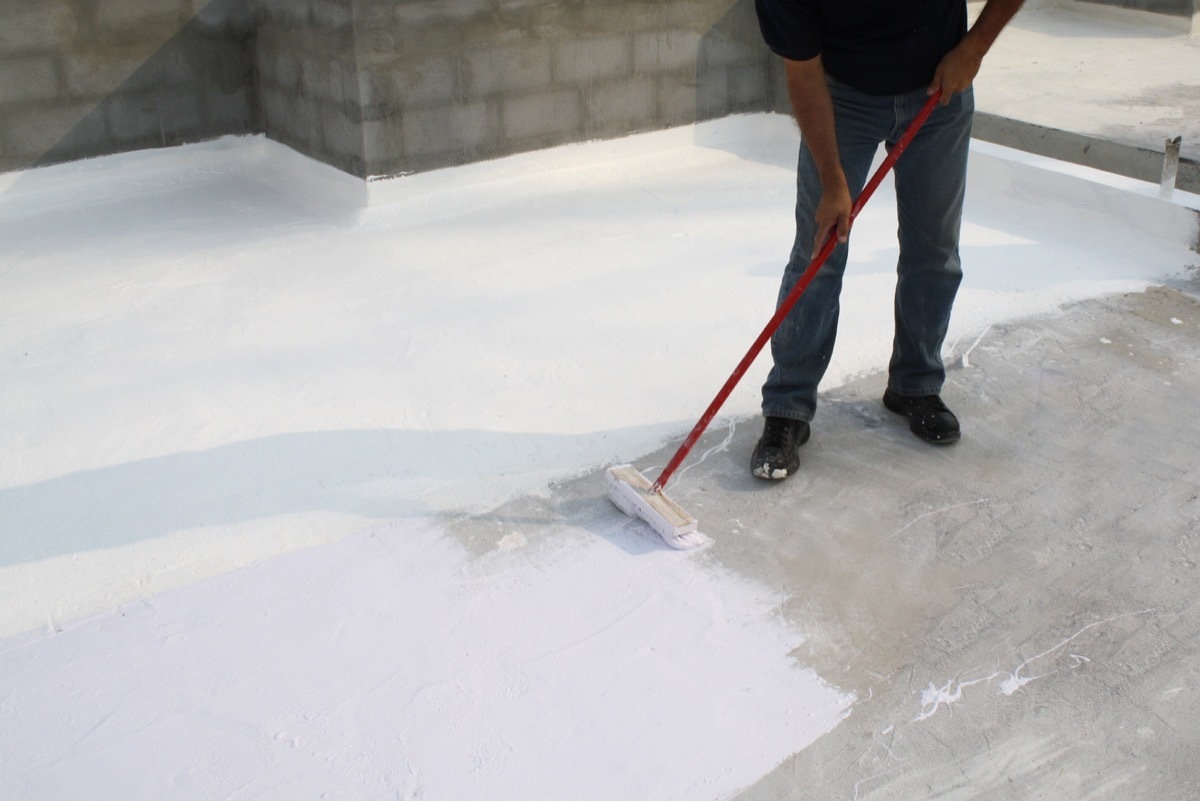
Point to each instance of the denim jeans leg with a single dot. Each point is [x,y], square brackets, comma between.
[930,185]
[803,344]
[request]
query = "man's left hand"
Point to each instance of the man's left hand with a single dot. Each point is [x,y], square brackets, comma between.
[957,70]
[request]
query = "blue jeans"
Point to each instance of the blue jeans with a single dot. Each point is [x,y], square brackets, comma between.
[930,179]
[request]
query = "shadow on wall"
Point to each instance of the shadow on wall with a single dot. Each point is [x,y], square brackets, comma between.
[145,83]
[736,73]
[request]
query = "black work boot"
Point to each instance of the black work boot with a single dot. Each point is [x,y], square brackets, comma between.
[777,455]
[927,416]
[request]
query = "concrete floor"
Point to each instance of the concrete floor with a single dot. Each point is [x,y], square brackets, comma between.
[1094,85]
[1015,612]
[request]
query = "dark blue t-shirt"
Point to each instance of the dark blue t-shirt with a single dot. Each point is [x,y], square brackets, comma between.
[880,47]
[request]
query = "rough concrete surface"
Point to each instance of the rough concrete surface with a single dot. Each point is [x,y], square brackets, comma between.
[1014,613]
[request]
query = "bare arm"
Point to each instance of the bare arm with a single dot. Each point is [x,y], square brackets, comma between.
[960,66]
[813,108]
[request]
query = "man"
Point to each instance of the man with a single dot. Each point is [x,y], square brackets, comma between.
[858,71]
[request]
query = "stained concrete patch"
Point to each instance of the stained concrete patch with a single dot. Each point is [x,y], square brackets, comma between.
[1014,613]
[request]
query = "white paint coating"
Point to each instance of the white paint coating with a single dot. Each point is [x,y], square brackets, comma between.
[209,362]
[392,665]
[277,367]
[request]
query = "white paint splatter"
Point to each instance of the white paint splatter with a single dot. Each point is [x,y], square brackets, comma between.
[933,698]
[966,360]
[1016,681]
[921,517]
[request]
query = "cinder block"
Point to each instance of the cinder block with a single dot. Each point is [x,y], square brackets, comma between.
[289,120]
[723,51]
[321,78]
[332,14]
[36,25]
[594,58]
[223,15]
[517,5]
[625,16]
[29,78]
[30,133]
[95,72]
[750,87]
[383,146]
[153,119]
[427,12]
[466,129]
[282,12]
[230,112]
[420,81]
[284,68]
[372,102]
[622,106]
[677,98]
[128,20]
[542,115]
[665,50]
[712,93]
[503,70]
[342,142]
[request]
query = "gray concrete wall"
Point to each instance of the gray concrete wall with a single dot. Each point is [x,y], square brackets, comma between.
[82,78]
[308,81]
[373,87]
[450,81]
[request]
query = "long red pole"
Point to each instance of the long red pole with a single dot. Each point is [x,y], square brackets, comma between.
[788,302]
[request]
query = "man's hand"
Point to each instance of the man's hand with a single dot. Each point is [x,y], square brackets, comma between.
[957,69]
[960,66]
[833,213]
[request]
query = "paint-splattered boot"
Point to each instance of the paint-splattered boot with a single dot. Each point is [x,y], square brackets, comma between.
[777,455]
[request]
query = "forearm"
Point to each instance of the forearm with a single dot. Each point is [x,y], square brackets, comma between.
[959,67]
[813,109]
[995,15]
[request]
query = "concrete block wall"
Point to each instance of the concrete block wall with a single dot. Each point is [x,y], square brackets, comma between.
[373,87]
[450,81]
[307,79]
[81,78]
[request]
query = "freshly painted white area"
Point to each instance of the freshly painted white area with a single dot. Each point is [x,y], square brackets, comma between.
[222,355]
[393,665]
[219,353]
